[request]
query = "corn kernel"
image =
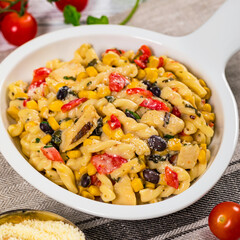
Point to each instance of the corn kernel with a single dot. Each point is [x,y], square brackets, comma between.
[32,105]
[137,184]
[81,76]
[116,134]
[13,112]
[83,170]
[209,117]
[81,189]
[66,124]
[208,95]
[59,85]
[15,129]
[91,71]
[91,169]
[174,144]
[202,157]
[55,106]
[141,74]
[21,95]
[46,139]
[162,179]
[95,137]
[207,107]
[94,190]
[88,94]
[134,83]
[203,146]
[186,138]
[202,83]
[87,195]
[87,142]
[103,91]
[44,112]
[141,175]
[149,185]
[74,154]
[151,74]
[29,125]
[153,62]
[53,123]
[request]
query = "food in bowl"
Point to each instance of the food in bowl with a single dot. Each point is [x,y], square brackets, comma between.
[129,128]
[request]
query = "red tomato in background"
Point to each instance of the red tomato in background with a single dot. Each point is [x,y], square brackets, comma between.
[19,29]
[224,221]
[78,4]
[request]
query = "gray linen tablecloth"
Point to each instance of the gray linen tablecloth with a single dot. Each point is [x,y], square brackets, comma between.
[176,18]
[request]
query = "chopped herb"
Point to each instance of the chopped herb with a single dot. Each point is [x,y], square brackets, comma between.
[71,15]
[89,83]
[93,20]
[66,119]
[168,80]
[131,114]
[166,119]
[168,136]
[110,99]
[72,93]
[38,150]
[48,146]
[37,140]
[157,158]
[98,130]
[20,98]
[116,179]
[75,120]
[56,137]
[196,111]
[69,78]
[92,63]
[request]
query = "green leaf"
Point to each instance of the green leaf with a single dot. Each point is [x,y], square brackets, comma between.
[71,15]
[51,1]
[94,20]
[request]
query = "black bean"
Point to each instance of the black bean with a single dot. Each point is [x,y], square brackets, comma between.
[62,93]
[157,143]
[151,175]
[155,90]
[149,84]
[45,127]
[85,180]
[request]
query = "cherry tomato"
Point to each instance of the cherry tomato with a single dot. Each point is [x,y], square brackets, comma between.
[161,62]
[72,104]
[117,82]
[114,123]
[154,104]
[41,74]
[145,50]
[171,177]
[95,181]
[105,163]
[52,154]
[19,29]
[176,112]
[117,51]
[78,4]
[224,221]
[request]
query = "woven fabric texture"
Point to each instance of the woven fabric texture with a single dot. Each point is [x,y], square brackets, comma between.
[175,18]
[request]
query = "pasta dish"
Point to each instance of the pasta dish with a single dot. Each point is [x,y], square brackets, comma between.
[124,128]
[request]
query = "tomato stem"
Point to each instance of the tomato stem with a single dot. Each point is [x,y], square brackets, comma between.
[12,3]
[130,14]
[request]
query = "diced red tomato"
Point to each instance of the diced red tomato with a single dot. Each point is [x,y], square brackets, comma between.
[105,163]
[52,154]
[176,112]
[117,51]
[161,62]
[41,74]
[117,82]
[32,87]
[114,123]
[211,124]
[171,177]
[154,104]
[25,102]
[182,133]
[140,63]
[145,50]
[95,181]
[141,91]
[72,104]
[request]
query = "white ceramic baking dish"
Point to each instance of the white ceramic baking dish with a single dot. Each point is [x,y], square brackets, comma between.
[205,52]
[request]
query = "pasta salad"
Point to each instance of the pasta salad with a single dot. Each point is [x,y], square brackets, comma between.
[126,128]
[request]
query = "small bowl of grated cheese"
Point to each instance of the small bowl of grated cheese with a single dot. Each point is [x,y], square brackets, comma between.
[37,225]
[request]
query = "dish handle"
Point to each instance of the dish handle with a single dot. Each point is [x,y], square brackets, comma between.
[219,37]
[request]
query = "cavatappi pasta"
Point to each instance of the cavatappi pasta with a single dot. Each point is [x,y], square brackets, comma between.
[127,128]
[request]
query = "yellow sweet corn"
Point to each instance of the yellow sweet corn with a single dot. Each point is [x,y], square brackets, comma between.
[91,71]
[209,117]
[87,195]
[44,112]
[95,137]
[59,85]
[94,190]
[29,125]
[202,83]
[66,124]
[174,144]
[53,123]
[151,74]
[15,129]
[162,179]
[83,170]
[55,106]
[208,95]
[153,62]
[134,83]
[74,154]
[81,76]
[137,184]
[141,74]
[13,112]
[88,94]
[21,95]
[186,138]
[91,169]
[103,91]
[115,134]
[207,107]
[203,146]
[87,142]
[46,139]
[32,105]
[202,156]
[149,185]
[81,189]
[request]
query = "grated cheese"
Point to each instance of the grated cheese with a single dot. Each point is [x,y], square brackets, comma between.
[40,230]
